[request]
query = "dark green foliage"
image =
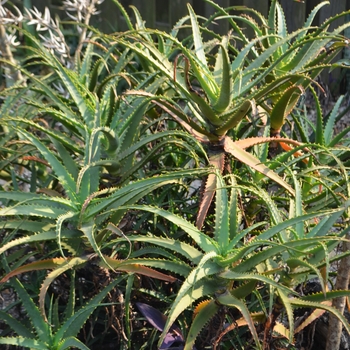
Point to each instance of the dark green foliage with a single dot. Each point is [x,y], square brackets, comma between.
[179,174]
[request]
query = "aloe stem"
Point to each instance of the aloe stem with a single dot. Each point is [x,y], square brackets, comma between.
[334,324]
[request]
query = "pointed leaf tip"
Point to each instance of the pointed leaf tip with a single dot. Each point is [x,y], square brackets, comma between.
[253,162]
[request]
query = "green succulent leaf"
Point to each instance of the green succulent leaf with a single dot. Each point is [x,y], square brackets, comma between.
[199,61]
[223,68]
[285,299]
[60,266]
[18,327]
[186,250]
[329,295]
[329,128]
[204,315]
[204,269]
[72,342]
[41,328]
[233,117]
[222,223]
[229,274]
[22,341]
[228,299]
[283,107]
[61,172]
[203,241]
[303,303]
[136,266]
[72,326]
[29,210]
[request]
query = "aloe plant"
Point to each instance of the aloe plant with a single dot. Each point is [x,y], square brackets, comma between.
[56,332]
[233,85]
[228,266]
[107,135]
[307,52]
[91,158]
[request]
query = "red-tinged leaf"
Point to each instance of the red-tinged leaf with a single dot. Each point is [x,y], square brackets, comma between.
[257,317]
[200,307]
[218,161]
[143,270]
[284,143]
[206,200]
[253,162]
[36,159]
[37,265]
[312,317]
[229,300]
[296,153]
[123,265]
[66,264]
[252,141]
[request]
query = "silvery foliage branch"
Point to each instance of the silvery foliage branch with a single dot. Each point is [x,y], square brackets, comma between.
[8,39]
[83,10]
[54,40]
[7,17]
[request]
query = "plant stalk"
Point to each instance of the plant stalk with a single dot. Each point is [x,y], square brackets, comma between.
[334,324]
[12,75]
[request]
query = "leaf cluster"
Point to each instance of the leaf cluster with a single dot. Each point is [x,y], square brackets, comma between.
[186,169]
